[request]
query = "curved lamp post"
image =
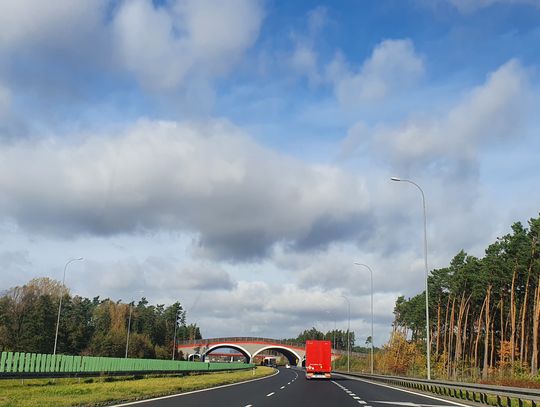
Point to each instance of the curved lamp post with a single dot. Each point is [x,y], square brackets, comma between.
[60,304]
[428,344]
[348,340]
[371,274]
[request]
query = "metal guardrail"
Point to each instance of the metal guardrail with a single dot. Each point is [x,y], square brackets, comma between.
[479,393]
[23,365]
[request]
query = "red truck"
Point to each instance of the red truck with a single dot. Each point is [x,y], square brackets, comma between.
[318,359]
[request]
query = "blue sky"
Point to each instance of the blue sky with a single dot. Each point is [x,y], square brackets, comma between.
[237,157]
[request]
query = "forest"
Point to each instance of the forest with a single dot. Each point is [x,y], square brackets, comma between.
[336,336]
[96,327]
[484,314]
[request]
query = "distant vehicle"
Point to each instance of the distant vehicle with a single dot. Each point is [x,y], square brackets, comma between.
[287,366]
[269,361]
[318,360]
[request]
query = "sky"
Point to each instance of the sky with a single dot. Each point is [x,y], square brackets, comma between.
[236,156]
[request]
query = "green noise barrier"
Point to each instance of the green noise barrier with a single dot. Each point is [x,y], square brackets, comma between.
[12,363]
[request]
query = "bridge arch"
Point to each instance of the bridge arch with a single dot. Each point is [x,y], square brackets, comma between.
[192,356]
[234,346]
[293,357]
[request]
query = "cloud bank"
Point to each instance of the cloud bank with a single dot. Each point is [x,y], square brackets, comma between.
[210,179]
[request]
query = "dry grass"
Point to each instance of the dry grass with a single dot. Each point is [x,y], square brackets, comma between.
[103,391]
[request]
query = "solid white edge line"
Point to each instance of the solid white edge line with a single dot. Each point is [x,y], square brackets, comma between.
[406,391]
[130,403]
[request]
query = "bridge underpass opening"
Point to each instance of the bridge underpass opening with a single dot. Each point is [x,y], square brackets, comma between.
[239,351]
[194,357]
[292,357]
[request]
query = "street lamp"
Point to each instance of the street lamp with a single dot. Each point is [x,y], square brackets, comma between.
[348,340]
[428,347]
[60,304]
[371,274]
[175,325]
[129,325]
[129,328]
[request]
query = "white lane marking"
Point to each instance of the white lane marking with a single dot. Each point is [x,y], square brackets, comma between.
[249,405]
[356,398]
[404,391]
[361,402]
[192,392]
[289,383]
[270,394]
[282,387]
[409,404]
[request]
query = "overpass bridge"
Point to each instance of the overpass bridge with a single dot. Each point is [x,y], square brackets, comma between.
[249,347]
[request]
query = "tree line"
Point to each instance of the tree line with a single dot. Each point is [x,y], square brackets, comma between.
[337,337]
[484,312]
[97,327]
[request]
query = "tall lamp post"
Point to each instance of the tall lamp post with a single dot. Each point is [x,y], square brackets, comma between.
[428,347]
[371,274]
[175,325]
[129,325]
[129,328]
[348,340]
[60,304]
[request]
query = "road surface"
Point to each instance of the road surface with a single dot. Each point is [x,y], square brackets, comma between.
[289,388]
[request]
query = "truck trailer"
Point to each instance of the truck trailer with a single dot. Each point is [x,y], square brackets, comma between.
[318,360]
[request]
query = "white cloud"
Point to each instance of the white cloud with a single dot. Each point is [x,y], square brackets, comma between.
[5,100]
[176,48]
[490,113]
[152,275]
[162,45]
[304,58]
[56,23]
[470,6]
[393,66]
[304,62]
[208,179]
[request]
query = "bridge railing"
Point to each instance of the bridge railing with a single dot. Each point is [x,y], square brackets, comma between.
[206,342]
[241,339]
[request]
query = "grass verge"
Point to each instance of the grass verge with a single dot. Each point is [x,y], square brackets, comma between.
[107,390]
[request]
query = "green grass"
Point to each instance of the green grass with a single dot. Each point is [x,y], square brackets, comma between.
[106,390]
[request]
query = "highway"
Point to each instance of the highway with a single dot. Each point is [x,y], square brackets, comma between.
[289,388]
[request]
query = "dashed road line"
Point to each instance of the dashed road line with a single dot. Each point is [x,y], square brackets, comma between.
[270,394]
[352,394]
[404,391]
[131,403]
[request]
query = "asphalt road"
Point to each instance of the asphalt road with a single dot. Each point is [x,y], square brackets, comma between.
[290,388]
